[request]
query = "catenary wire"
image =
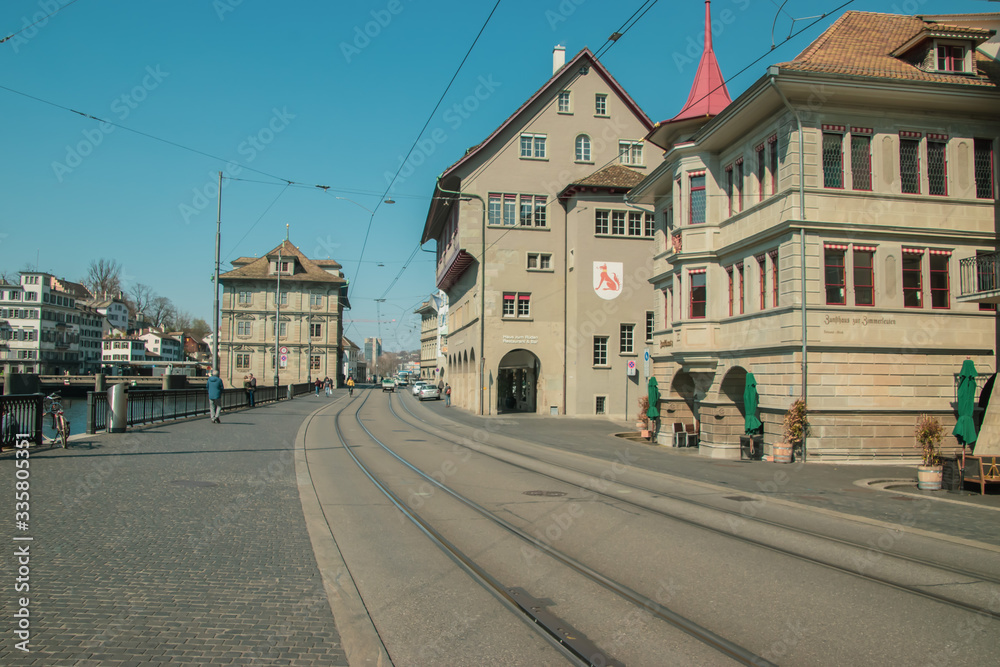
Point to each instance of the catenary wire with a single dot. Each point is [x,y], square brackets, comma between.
[44,18]
[430,117]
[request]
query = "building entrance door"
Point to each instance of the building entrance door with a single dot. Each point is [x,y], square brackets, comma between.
[517,382]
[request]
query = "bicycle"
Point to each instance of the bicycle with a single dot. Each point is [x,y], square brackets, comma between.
[59,422]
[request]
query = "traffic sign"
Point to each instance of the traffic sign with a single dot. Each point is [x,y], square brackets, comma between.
[645,355]
[283,350]
[631,367]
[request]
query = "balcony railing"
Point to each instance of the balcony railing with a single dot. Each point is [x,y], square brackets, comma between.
[979,279]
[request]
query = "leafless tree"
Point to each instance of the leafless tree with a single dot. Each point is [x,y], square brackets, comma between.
[104,277]
[10,277]
[139,298]
[160,311]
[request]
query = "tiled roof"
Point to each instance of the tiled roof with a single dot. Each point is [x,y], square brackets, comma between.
[259,268]
[347,344]
[612,176]
[862,44]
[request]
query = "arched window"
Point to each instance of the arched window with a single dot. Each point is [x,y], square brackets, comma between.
[583,148]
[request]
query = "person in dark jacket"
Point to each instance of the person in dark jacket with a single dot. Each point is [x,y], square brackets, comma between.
[215,388]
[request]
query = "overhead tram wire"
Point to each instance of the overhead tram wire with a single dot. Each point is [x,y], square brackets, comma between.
[44,18]
[430,117]
[161,140]
[603,50]
[269,207]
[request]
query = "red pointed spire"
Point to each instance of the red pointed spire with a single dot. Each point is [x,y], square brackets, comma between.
[708,93]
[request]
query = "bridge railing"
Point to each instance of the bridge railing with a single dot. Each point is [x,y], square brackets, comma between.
[150,406]
[26,410]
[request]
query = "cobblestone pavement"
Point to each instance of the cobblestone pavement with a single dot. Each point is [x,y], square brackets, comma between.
[181,543]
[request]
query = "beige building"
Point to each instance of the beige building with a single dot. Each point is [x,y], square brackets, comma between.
[311,296]
[520,229]
[428,340]
[814,229]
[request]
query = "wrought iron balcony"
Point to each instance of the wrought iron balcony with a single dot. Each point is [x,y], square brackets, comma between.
[980,279]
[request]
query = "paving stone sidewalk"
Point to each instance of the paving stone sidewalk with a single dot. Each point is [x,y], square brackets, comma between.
[181,543]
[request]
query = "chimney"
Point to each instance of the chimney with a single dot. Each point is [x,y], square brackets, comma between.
[558,57]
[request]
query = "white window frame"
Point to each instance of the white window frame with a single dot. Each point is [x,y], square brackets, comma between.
[601,105]
[582,146]
[565,102]
[630,153]
[533,146]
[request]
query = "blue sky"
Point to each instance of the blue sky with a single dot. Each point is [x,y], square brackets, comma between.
[318,93]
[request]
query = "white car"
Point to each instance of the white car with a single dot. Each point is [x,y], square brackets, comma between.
[429,391]
[417,385]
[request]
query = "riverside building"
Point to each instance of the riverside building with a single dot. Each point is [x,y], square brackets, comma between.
[539,256]
[308,302]
[813,230]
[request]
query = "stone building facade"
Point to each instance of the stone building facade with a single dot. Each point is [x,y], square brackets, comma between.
[813,230]
[308,304]
[513,245]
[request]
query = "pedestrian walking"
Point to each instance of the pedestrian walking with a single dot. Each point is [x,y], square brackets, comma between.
[350,385]
[447,395]
[328,385]
[250,386]
[8,429]
[215,388]
[318,383]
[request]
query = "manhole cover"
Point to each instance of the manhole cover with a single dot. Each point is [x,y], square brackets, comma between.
[739,499]
[550,494]
[193,483]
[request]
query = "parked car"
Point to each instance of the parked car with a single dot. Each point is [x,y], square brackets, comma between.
[429,391]
[388,384]
[417,385]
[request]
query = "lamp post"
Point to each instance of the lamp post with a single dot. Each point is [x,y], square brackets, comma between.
[215,309]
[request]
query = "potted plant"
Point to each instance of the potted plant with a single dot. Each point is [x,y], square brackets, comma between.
[643,419]
[928,433]
[794,428]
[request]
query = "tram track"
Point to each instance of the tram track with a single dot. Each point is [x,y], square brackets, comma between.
[575,648]
[884,561]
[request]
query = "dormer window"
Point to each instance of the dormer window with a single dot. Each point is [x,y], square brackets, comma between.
[951,58]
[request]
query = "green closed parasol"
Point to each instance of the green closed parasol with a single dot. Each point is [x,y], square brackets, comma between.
[965,429]
[750,399]
[654,399]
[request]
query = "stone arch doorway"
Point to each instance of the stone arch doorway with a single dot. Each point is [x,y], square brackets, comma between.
[517,382]
[730,414]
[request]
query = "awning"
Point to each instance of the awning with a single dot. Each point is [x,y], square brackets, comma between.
[453,268]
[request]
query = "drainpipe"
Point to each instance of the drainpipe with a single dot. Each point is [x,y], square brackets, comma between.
[482,291]
[802,247]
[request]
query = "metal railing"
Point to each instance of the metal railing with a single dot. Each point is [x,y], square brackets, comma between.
[26,411]
[150,406]
[979,274]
